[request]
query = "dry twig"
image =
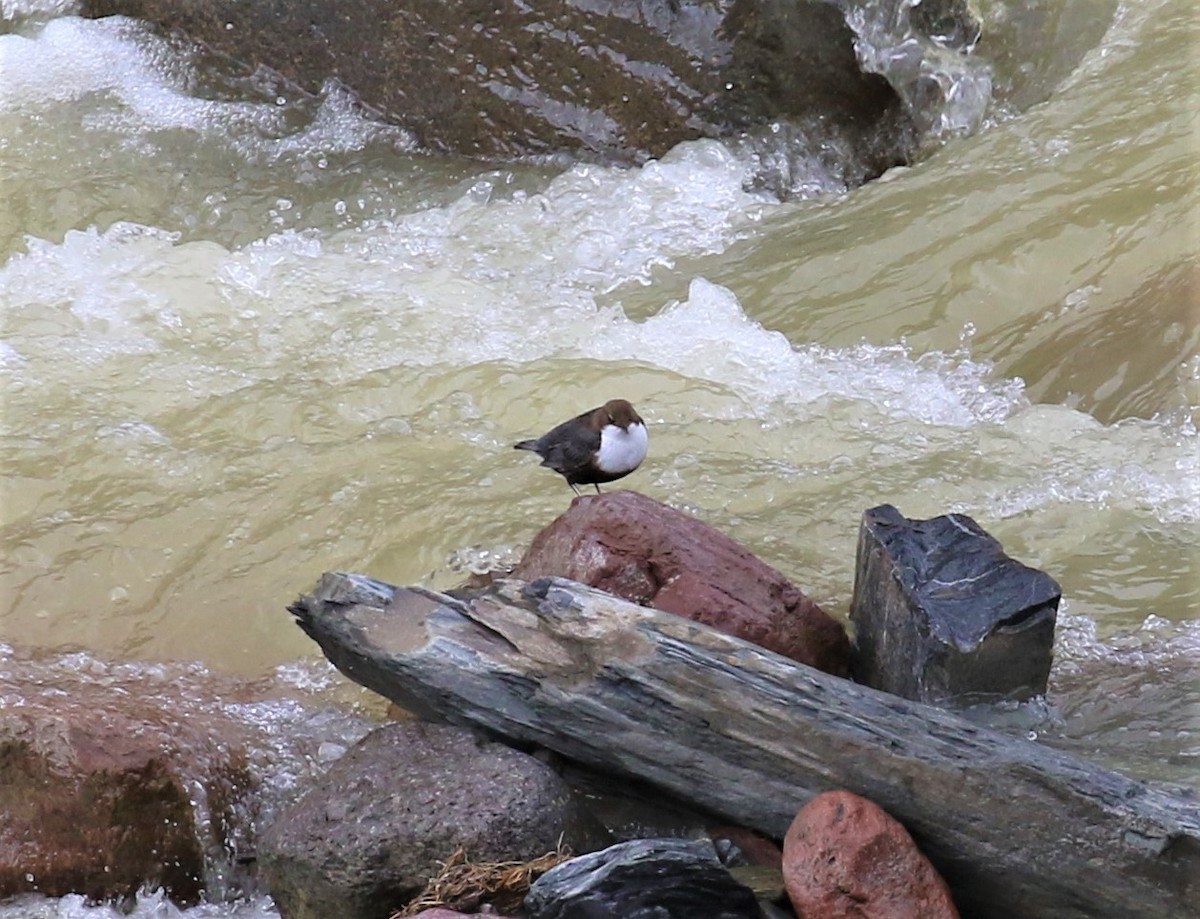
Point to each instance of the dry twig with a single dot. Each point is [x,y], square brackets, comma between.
[464,885]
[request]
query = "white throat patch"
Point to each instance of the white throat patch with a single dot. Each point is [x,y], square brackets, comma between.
[621,450]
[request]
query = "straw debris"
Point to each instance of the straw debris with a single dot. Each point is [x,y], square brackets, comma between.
[465,886]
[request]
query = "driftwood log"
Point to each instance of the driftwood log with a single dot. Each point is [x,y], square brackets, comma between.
[1018,830]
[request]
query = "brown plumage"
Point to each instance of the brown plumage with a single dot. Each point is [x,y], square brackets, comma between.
[600,445]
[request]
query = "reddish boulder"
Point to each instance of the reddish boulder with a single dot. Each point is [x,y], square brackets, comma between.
[104,788]
[845,858]
[639,549]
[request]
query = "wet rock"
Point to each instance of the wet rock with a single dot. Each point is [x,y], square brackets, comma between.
[941,614]
[369,834]
[611,79]
[104,791]
[641,550]
[642,879]
[845,858]
[743,846]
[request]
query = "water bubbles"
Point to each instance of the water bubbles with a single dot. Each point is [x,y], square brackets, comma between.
[1079,297]
[481,191]
[393,427]
[479,561]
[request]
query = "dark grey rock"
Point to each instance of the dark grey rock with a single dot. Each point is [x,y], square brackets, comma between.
[642,879]
[941,614]
[368,835]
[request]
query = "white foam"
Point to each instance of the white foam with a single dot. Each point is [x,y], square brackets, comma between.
[1155,643]
[147,904]
[69,58]
[147,81]
[1151,466]
[91,288]
[14,10]
[709,336]
[440,287]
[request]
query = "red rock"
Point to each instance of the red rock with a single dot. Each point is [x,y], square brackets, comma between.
[98,782]
[845,858]
[637,548]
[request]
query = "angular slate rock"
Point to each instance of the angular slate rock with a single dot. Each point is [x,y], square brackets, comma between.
[642,879]
[943,615]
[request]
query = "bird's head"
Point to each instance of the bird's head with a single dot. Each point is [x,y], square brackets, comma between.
[621,413]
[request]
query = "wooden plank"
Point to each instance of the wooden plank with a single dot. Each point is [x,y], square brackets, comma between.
[1018,830]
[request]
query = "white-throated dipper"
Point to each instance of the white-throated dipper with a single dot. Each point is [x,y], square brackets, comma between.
[601,445]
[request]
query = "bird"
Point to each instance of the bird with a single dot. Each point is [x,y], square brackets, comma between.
[601,445]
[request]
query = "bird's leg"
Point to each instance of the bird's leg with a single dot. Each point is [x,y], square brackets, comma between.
[573,488]
[596,485]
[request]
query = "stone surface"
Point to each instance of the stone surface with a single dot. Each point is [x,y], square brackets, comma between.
[941,614]
[1017,829]
[610,79]
[369,834]
[748,847]
[845,858]
[110,782]
[642,879]
[637,548]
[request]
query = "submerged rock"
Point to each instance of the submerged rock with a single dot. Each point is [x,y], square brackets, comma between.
[612,80]
[369,834]
[845,858]
[942,614]
[642,879]
[641,550]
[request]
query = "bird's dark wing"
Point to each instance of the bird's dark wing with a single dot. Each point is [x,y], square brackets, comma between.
[564,450]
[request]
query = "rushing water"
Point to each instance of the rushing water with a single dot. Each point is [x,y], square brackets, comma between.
[247,337]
